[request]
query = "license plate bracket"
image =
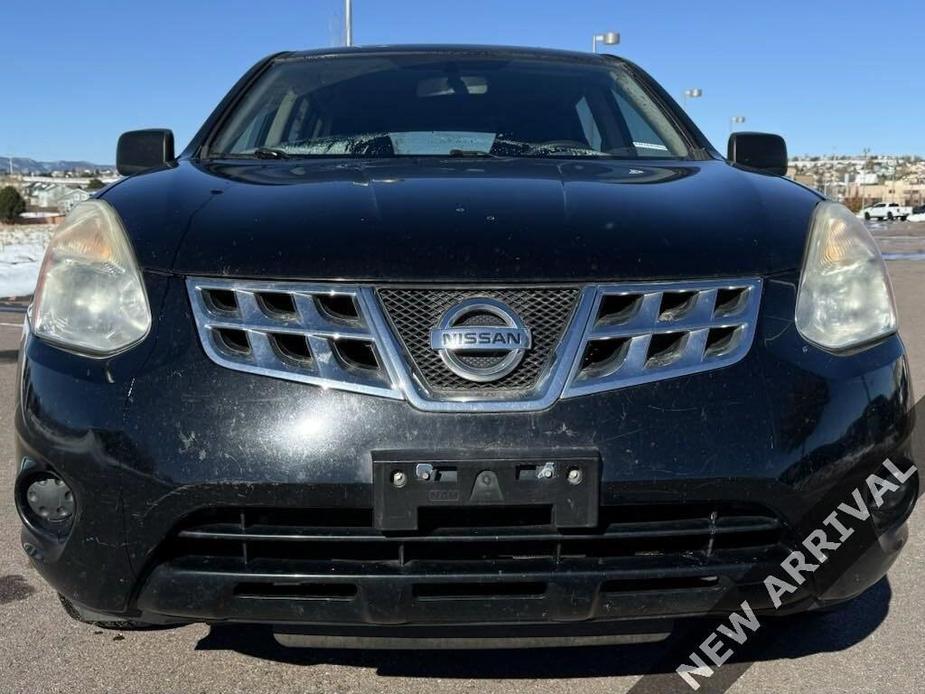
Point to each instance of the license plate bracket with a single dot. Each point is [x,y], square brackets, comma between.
[403,483]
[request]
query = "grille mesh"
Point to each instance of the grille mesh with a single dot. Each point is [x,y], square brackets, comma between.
[414,312]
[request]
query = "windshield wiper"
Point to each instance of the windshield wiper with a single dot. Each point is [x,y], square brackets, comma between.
[563,151]
[270,153]
[471,153]
[553,148]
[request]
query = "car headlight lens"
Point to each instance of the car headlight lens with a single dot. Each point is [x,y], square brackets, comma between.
[90,296]
[845,297]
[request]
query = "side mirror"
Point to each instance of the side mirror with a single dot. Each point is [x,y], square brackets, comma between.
[759,151]
[143,150]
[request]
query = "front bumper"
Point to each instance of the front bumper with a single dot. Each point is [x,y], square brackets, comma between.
[195,487]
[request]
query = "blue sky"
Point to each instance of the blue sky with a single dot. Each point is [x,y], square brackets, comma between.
[829,76]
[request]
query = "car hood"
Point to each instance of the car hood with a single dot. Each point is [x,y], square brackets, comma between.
[482,220]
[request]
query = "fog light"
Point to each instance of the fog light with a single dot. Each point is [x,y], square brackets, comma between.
[48,502]
[50,498]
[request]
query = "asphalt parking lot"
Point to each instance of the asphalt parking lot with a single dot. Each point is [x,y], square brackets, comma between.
[875,644]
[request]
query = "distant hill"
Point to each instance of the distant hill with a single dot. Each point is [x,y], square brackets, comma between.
[22,165]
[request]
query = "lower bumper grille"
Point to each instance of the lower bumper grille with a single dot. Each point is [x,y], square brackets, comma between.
[344,541]
[331,566]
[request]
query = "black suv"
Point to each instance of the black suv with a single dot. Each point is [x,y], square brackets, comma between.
[462,344]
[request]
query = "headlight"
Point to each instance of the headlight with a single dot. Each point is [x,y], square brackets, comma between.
[90,296]
[845,297]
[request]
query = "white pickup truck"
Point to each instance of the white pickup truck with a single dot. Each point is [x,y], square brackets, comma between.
[886,210]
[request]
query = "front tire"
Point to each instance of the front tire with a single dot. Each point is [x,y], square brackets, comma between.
[867,216]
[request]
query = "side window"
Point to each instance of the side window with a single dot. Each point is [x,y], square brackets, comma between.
[588,124]
[646,141]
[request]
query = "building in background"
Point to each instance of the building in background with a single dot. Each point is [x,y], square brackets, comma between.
[862,181]
[47,196]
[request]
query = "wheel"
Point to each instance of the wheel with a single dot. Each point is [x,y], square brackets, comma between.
[867,216]
[117,625]
[902,219]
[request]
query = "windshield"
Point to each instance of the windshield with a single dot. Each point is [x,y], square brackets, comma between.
[446,105]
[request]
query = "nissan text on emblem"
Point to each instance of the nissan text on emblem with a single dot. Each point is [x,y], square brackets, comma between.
[481,339]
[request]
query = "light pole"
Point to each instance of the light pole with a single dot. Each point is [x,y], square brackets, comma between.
[611,38]
[348,22]
[734,121]
[692,94]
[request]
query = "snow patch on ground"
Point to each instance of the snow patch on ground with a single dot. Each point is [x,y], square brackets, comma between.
[21,252]
[904,256]
[19,268]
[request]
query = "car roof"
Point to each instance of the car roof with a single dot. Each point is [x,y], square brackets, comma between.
[464,49]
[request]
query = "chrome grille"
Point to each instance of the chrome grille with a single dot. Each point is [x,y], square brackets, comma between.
[290,331]
[414,311]
[644,332]
[585,339]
